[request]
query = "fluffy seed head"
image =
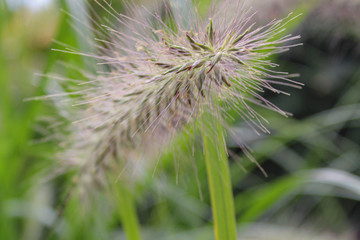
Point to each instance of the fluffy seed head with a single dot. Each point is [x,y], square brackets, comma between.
[160,70]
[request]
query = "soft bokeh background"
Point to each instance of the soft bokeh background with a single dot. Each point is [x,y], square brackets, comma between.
[312,159]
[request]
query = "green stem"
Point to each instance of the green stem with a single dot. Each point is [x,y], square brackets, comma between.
[222,202]
[128,212]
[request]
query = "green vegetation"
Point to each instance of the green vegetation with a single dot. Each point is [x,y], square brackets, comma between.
[312,159]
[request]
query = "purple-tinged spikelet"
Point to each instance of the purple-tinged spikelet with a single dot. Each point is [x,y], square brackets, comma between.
[159,78]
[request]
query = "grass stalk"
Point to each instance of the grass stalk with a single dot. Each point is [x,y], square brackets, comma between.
[217,167]
[128,213]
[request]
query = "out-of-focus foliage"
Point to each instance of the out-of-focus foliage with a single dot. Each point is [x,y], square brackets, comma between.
[312,159]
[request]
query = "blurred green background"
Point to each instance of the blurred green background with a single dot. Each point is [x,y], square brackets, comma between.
[312,159]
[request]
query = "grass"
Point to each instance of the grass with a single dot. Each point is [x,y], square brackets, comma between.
[218,173]
[128,212]
[312,162]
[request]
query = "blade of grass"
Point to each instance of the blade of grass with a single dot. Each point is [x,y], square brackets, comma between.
[335,178]
[8,229]
[217,167]
[265,197]
[260,200]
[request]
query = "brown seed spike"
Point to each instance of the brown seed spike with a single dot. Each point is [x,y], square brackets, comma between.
[189,93]
[177,90]
[223,78]
[217,77]
[210,32]
[192,42]
[200,81]
[177,50]
[217,58]
[171,70]
[198,64]
[163,65]
[185,67]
